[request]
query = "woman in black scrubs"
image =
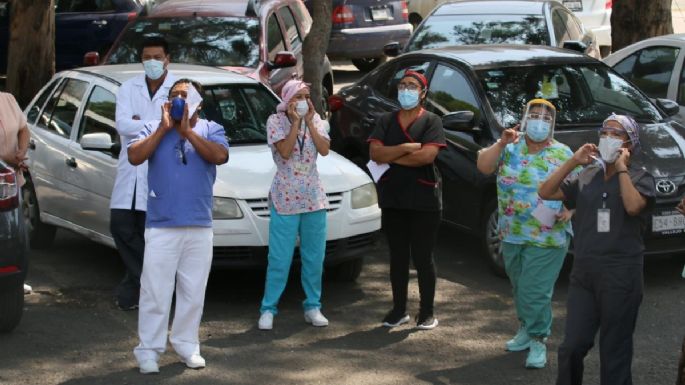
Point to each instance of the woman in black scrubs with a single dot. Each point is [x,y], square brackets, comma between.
[409,193]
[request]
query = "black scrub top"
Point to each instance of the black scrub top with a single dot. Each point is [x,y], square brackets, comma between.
[623,244]
[403,187]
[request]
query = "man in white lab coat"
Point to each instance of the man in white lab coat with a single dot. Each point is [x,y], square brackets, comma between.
[139,101]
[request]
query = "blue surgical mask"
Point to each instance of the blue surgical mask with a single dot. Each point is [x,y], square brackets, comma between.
[177,105]
[154,69]
[537,130]
[408,99]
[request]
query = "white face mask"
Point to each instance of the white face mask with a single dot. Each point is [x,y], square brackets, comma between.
[608,148]
[302,108]
[154,69]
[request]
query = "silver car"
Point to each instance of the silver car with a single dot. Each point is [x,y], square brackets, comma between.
[72,164]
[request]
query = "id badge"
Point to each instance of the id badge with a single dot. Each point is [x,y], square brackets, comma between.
[603,220]
[302,168]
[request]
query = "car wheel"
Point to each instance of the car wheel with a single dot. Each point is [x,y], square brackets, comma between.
[492,245]
[347,271]
[11,306]
[324,102]
[367,64]
[41,235]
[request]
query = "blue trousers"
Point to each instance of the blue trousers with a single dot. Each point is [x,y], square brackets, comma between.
[283,231]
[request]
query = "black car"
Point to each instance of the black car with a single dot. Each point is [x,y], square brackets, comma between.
[13,250]
[480,90]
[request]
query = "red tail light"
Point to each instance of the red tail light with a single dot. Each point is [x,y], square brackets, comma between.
[9,191]
[609,4]
[132,15]
[405,11]
[342,14]
[335,103]
[9,269]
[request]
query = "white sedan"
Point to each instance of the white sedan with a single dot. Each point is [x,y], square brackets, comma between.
[72,165]
[655,66]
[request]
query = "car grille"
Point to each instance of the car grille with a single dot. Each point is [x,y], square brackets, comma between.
[260,206]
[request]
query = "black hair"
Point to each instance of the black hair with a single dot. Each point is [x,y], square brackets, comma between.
[195,84]
[154,41]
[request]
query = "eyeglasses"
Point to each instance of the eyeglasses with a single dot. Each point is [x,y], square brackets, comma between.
[180,151]
[407,86]
[545,117]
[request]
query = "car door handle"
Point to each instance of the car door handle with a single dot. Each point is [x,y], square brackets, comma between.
[100,23]
[71,162]
[32,144]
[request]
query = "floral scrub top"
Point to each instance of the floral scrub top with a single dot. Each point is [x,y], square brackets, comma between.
[296,187]
[518,178]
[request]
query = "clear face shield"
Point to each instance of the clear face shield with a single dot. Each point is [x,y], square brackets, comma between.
[538,120]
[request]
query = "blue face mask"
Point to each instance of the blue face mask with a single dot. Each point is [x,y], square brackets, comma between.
[408,99]
[537,130]
[154,69]
[177,105]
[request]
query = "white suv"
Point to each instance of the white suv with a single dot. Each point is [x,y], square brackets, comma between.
[72,166]
[596,17]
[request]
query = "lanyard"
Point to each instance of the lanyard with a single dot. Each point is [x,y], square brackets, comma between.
[605,195]
[300,142]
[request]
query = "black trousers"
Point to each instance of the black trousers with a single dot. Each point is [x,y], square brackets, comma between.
[411,234]
[605,299]
[128,230]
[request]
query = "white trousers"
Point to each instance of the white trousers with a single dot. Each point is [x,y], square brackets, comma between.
[180,257]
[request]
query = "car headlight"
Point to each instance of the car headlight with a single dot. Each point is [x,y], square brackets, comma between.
[364,196]
[226,208]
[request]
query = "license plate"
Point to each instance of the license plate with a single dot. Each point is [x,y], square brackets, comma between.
[380,14]
[575,6]
[670,222]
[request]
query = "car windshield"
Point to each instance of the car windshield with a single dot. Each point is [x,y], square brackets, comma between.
[242,110]
[443,31]
[583,93]
[212,41]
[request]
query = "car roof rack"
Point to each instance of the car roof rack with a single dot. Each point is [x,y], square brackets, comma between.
[252,8]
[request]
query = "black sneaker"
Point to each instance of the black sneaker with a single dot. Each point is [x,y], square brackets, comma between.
[393,319]
[426,322]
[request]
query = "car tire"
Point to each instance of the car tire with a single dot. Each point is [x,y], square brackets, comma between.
[324,102]
[369,63]
[347,271]
[41,235]
[492,245]
[11,307]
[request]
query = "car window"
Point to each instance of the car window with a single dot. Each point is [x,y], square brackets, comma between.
[274,38]
[99,115]
[84,6]
[387,81]
[211,41]
[450,91]
[34,111]
[243,111]
[560,29]
[60,113]
[290,28]
[651,70]
[442,31]
[572,29]
[302,16]
[583,94]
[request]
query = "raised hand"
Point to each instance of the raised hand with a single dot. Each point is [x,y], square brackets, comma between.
[585,154]
[165,123]
[623,160]
[510,135]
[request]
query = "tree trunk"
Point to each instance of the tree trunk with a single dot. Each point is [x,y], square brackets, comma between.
[635,20]
[314,50]
[31,53]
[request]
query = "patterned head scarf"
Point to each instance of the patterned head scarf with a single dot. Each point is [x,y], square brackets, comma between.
[629,125]
[289,90]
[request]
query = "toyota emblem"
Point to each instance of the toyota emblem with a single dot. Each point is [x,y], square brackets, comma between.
[665,187]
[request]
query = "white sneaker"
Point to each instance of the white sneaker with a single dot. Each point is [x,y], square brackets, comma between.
[315,318]
[266,321]
[148,367]
[195,361]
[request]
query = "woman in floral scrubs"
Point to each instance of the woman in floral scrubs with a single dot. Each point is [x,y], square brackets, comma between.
[535,234]
[297,135]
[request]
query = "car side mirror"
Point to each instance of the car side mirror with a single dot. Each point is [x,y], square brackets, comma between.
[459,121]
[283,59]
[392,49]
[91,58]
[98,141]
[575,45]
[668,106]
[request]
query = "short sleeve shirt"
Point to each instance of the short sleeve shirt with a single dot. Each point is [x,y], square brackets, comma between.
[589,192]
[518,178]
[404,187]
[296,187]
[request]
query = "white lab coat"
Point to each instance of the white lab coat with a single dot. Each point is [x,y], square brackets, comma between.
[133,98]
